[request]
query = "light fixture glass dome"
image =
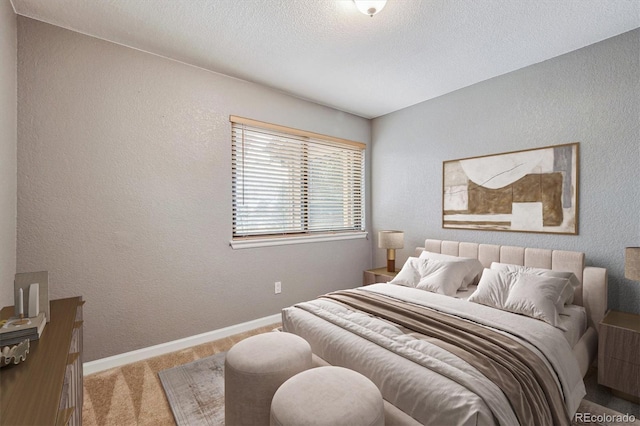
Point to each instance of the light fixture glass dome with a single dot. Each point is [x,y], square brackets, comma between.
[370,7]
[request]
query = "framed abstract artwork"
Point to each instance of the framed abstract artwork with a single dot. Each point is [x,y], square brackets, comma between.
[533,190]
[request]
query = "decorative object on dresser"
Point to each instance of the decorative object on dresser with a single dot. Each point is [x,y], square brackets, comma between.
[19,309]
[14,354]
[15,330]
[46,389]
[632,263]
[377,275]
[391,240]
[24,280]
[618,361]
[533,190]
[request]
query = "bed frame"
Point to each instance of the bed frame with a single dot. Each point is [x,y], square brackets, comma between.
[592,294]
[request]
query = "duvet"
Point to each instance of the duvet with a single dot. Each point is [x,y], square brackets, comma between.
[443,360]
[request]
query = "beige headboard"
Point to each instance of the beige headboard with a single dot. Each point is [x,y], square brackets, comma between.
[592,294]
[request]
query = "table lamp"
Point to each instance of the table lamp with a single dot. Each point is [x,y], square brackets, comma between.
[391,240]
[632,263]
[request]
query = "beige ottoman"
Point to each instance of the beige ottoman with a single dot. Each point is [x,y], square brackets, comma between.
[254,368]
[332,396]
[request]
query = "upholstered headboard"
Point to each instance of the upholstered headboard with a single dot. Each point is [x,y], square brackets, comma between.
[592,294]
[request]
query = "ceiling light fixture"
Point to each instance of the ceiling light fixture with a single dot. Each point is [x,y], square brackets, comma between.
[370,7]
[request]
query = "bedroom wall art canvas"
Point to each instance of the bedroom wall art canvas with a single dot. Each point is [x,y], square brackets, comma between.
[534,190]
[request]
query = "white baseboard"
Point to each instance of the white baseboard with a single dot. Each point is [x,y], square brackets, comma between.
[176,345]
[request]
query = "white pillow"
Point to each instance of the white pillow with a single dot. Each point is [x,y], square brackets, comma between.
[474,267]
[409,275]
[442,277]
[431,275]
[527,294]
[535,296]
[565,298]
[493,288]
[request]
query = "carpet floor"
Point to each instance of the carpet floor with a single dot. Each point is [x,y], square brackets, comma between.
[196,395]
[133,394]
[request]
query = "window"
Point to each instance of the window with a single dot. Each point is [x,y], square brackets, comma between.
[294,184]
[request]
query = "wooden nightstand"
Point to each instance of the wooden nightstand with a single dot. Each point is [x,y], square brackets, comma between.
[618,354]
[378,275]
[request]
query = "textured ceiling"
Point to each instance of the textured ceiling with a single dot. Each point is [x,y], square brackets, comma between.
[328,52]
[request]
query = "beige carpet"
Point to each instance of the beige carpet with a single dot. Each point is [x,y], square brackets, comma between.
[133,394]
[196,394]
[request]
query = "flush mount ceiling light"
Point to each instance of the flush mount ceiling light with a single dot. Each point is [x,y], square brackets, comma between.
[370,7]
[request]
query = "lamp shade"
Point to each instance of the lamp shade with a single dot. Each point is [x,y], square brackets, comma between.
[391,239]
[632,263]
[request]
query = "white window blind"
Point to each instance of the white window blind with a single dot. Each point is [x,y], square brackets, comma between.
[288,182]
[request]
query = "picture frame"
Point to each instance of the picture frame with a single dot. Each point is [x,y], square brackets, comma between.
[532,190]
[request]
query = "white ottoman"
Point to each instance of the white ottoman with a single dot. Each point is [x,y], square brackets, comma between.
[254,368]
[332,396]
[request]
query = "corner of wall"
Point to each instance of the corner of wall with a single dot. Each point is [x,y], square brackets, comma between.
[8,149]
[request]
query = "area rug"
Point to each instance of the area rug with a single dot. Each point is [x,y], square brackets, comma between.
[196,391]
[196,395]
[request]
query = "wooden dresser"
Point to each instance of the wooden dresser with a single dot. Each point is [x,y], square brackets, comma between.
[46,389]
[618,349]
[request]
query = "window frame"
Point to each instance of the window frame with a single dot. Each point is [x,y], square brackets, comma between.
[305,235]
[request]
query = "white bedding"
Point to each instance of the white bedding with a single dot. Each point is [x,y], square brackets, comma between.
[464,294]
[573,318]
[454,392]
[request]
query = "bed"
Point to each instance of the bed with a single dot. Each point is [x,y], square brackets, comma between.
[454,358]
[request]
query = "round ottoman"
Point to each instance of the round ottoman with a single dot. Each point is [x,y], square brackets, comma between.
[332,396]
[254,368]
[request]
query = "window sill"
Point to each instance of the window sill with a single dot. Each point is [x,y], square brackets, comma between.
[281,241]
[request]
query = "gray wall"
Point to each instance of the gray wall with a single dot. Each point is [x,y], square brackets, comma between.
[8,143]
[124,184]
[590,96]
[124,178]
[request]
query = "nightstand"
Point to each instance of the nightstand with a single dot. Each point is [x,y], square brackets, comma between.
[618,349]
[378,275]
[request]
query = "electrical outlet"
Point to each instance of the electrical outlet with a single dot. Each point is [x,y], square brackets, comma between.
[278,287]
